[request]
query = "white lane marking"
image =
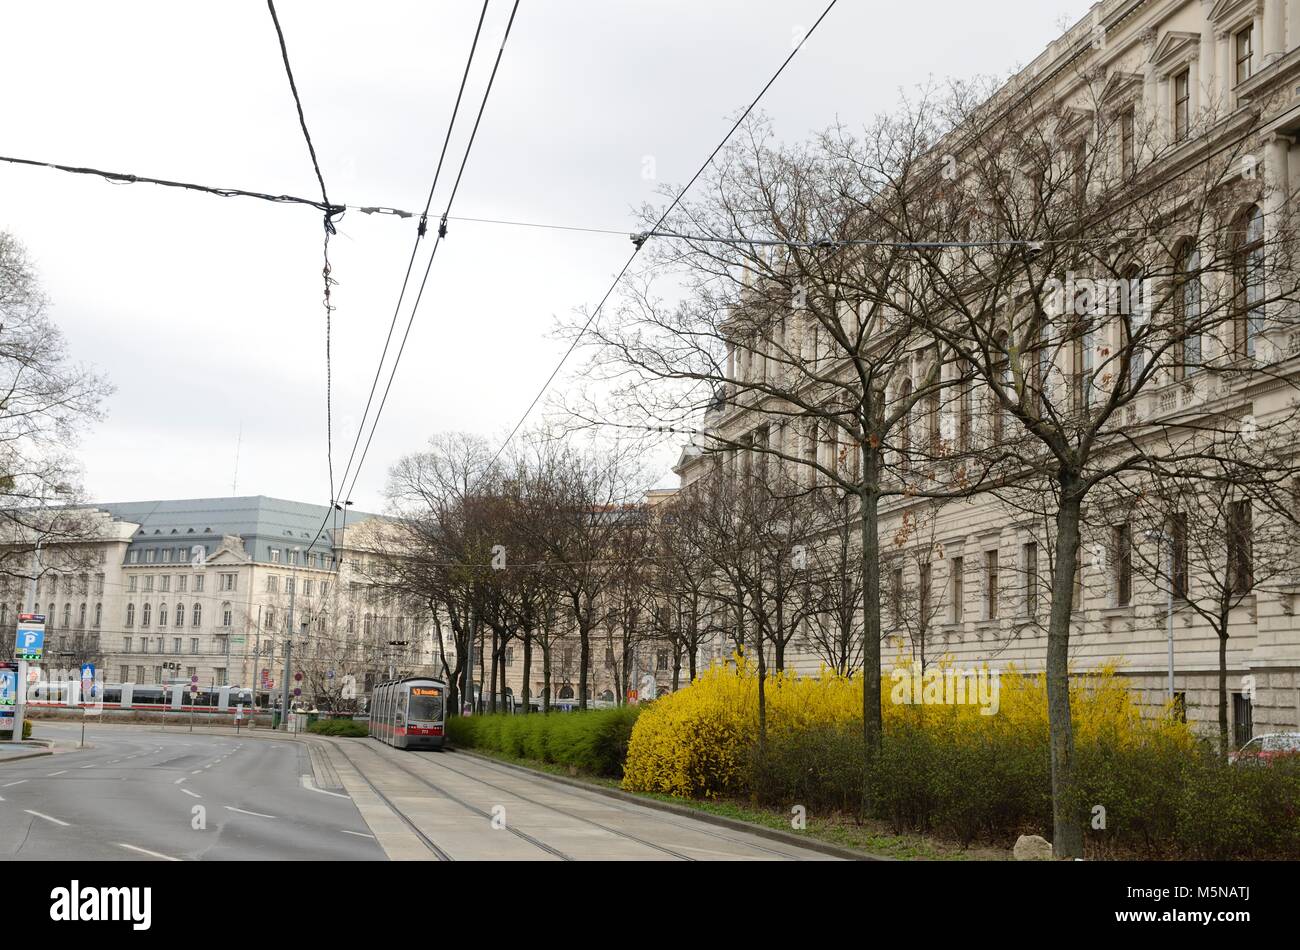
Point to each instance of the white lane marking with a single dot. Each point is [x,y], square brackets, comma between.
[181,779]
[19,782]
[65,824]
[191,794]
[357,833]
[196,771]
[310,785]
[59,772]
[253,813]
[152,854]
[87,766]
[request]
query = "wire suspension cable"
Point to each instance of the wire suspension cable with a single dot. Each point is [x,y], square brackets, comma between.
[638,244]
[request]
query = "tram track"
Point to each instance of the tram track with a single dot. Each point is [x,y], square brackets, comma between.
[560,811]
[655,815]
[424,839]
[522,835]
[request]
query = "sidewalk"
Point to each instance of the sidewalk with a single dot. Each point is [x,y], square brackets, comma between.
[15,751]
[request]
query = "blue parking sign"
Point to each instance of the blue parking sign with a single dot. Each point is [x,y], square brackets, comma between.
[29,639]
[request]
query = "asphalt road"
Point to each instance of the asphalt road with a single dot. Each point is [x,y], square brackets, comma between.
[140,793]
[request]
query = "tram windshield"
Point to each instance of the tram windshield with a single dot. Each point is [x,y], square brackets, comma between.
[425,704]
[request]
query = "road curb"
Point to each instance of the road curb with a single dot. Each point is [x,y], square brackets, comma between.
[35,753]
[735,824]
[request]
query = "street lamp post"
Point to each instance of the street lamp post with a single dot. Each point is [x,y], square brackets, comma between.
[288,647]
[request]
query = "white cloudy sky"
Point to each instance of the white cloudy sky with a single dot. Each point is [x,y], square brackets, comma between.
[205,312]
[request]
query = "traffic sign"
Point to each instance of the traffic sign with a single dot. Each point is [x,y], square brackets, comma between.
[29,638]
[297,677]
[297,691]
[87,680]
[329,675]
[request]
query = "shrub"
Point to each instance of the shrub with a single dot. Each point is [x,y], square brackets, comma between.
[339,727]
[594,741]
[27,728]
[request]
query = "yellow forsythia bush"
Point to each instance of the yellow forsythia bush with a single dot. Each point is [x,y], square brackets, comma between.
[697,742]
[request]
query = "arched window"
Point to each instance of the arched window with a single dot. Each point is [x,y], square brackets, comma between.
[352,622]
[99,615]
[227,615]
[270,618]
[905,426]
[607,696]
[1248,277]
[67,616]
[130,615]
[81,617]
[162,615]
[196,615]
[1187,300]
[180,615]
[566,691]
[146,612]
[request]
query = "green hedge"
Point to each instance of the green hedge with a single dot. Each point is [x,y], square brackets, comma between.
[594,741]
[339,727]
[27,728]
[1160,800]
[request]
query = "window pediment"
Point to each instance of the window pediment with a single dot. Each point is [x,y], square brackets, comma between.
[1231,9]
[1174,49]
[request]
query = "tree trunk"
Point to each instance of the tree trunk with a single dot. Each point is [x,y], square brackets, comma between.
[1225,744]
[1067,827]
[584,659]
[546,677]
[492,676]
[525,690]
[872,726]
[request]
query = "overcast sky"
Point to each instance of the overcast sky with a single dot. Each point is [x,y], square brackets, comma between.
[205,312]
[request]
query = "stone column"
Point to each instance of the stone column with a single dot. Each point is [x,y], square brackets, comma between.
[1274,31]
[1292,39]
[1209,99]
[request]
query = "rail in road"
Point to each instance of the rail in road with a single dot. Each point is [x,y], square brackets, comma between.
[464,808]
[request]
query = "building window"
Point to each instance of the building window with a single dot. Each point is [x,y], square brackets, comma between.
[139,674]
[958,589]
[99,615]
[1244,46]
[228,581]
[1178,554]
[133,558]
[272,584]
[221,675]
[1127,146]
[182,581]
[510,656]
[661,661]
[923,597]
[165,583]
[1123,535]
[196,616]
[306,588]
[896,594]
[148,583]
[270,618]
[1243,719]
[167,555]
[194,644]
[130,615]
[126,674]
[991,585]
[132,583]
[150,554]
[1248,273]
[1030,556]
[126,644]
[198,583]
[67,616]
[1188,302]
[176,644]
[288,585]
[191,672]
[180,615]
[275,555]
[1241,567]
[162,615]
[1182,105]
[145,614]
[227,615]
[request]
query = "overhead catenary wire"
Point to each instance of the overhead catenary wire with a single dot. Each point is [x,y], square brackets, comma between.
[637,245]
[442,233]
[329,230]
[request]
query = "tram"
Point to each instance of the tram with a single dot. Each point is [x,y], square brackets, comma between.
[174,697]
[409,713]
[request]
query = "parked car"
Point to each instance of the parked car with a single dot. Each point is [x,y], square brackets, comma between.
[1263,750]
